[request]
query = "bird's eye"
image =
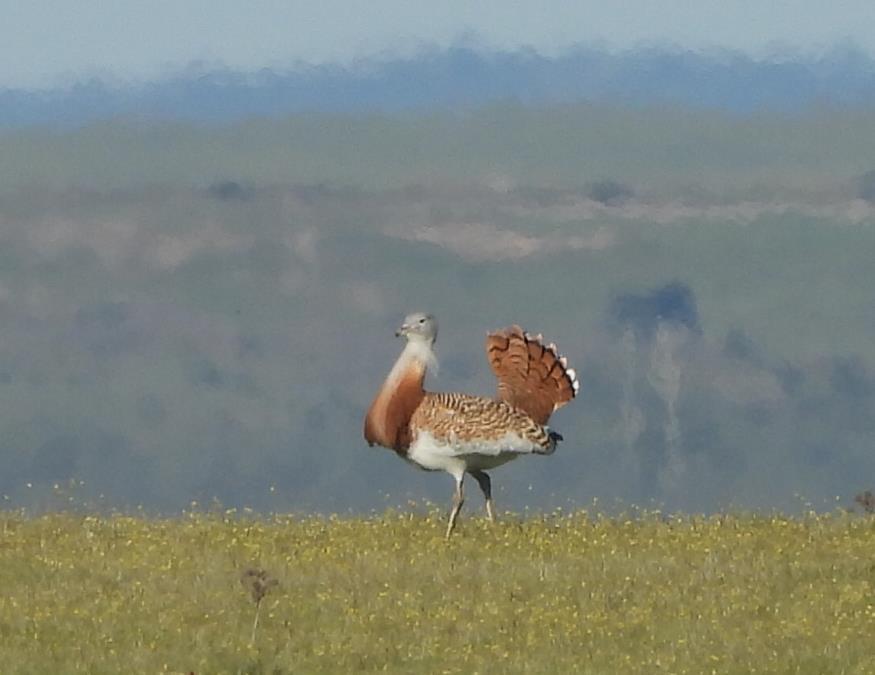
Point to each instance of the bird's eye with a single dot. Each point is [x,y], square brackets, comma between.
[422,320]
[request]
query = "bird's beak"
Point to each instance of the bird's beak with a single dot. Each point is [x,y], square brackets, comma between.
[403,330]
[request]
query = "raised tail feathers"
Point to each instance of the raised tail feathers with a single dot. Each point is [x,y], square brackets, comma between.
[531,376]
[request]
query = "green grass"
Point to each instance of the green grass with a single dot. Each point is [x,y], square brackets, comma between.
[561,593]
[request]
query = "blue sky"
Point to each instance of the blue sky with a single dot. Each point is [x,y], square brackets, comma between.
[44,43]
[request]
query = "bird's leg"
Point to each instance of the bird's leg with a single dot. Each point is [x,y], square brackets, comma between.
[458,500]
[485,484]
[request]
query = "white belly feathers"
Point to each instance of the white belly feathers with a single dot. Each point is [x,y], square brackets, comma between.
[457,456]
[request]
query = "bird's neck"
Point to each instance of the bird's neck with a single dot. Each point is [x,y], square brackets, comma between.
[388,419]
[417,355]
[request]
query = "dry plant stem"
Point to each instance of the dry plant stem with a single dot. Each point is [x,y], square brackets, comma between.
[255,623]
[258,582]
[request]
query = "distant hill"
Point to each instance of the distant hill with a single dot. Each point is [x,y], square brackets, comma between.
[460,78]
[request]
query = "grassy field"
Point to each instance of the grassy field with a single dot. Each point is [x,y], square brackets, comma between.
[559,593]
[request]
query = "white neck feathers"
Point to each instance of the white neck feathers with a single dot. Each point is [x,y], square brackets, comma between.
[416,352]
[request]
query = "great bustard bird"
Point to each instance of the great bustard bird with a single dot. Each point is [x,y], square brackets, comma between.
[460,433]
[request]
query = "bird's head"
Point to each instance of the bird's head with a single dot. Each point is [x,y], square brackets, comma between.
[419,327]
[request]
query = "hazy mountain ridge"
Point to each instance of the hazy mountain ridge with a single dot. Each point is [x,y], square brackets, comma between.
[169,344]
[190,311]
[549,154]
[461,77]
